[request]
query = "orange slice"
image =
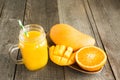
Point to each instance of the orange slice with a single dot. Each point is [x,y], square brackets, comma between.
[62,55]
[91,58]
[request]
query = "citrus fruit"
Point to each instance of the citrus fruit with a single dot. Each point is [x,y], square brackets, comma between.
[62,55]
[91,58]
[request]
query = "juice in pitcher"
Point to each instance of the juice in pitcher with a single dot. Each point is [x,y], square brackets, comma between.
[34,47]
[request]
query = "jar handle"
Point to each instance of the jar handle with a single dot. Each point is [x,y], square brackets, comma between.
[11,51]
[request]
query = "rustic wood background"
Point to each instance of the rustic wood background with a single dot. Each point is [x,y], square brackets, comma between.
[98,18]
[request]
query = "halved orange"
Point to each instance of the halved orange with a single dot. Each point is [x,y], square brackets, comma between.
[91,58]
[62,55]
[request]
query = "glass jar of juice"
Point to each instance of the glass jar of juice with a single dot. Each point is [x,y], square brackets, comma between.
[33,47]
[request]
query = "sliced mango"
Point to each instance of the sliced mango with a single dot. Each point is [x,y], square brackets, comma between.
[62,55]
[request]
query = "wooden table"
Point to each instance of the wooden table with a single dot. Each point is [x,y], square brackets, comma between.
[98,18]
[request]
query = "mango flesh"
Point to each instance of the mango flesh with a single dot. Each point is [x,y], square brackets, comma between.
[64,34]
[62,55]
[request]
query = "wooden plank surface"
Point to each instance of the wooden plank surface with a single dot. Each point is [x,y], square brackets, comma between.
[73,12]
[43,12]
[1,6]
[9,34]
[98,18]
[106,14]
[108,70]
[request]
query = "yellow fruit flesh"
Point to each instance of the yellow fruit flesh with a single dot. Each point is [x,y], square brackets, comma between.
[91,58]
[61,55]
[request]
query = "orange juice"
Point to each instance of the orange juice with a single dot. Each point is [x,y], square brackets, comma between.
[34,48]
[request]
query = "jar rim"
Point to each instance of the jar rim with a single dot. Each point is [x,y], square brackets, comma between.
[32,27]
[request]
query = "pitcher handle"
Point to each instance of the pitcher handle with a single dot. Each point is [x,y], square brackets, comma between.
[11,51]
